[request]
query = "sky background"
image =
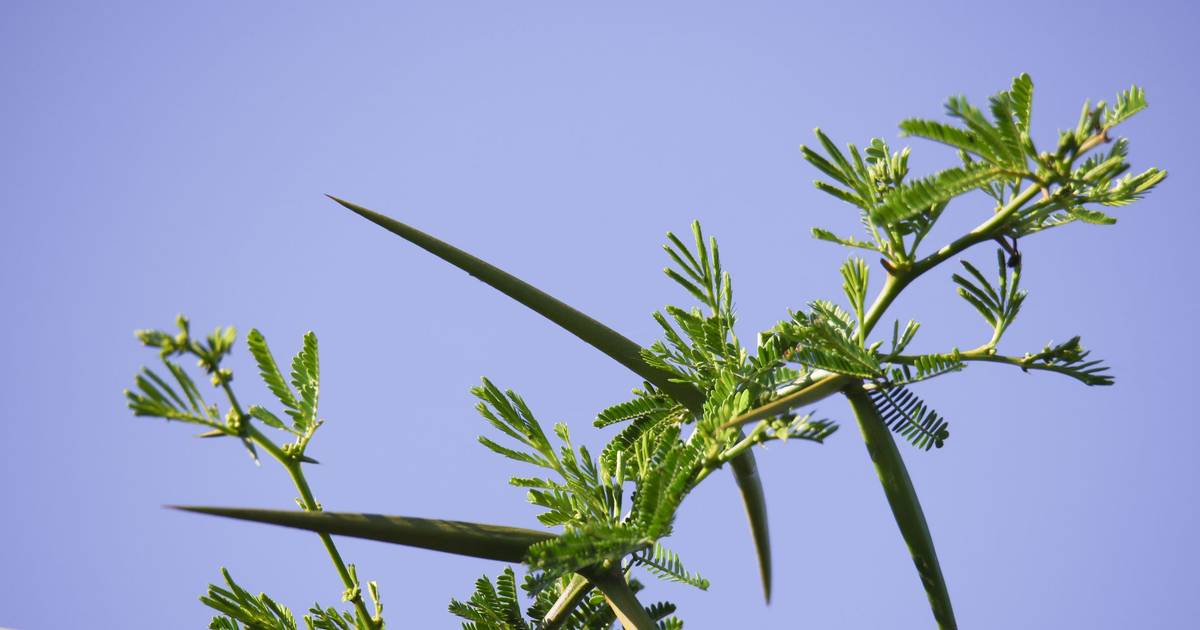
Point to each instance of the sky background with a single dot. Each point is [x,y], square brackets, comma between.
[159,158]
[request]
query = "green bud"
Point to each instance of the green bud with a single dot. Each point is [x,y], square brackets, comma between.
[234,421]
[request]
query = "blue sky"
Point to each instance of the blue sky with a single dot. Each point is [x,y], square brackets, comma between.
[162,158]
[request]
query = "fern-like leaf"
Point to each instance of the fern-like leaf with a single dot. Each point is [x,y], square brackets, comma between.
[666,565]
[900,340]
[848,241]
[1022,100]
[1000,304]
[920,195]
[949,135]
[854,283]
[1070,359]
[584,546]
[237,606]
[639,407]
[909,417]
[330,618]
[306,379]
[492,607]
[268,369]
[1129,102]
[824,339]
[924,367]
[508,412]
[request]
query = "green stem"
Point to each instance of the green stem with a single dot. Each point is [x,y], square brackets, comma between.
[987,354]
[983,232]
[904,275]
[906,508]
[818,390]
[309,504]
[891,289]
[754,437]
[620,598]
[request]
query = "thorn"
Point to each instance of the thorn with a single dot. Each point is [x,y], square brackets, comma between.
[308,460]
[340,201]
[887,266]
[212,434]
[183,508]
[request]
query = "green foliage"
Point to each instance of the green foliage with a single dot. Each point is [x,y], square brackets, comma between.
[155,397]
[586,493]
[854,283]
[1021,98]
[701,273]
[238,606]
[588,497]
[825,338]
[647,404]
[1068,358]
[909,417]
[701,386]
[848,241]
[900,340]
[239,609]
[999,304]
[923,367]
[698,344]
[1129,102]
[492,606]
[497,606]
[305,378]
[998,155]
[666,564]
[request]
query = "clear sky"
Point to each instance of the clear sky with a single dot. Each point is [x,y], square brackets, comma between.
[159,158]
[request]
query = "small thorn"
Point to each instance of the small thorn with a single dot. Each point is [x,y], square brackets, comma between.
[339,201]
[215,433]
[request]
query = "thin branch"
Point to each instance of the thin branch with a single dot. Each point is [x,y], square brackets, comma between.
[309,504]
[819,390]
